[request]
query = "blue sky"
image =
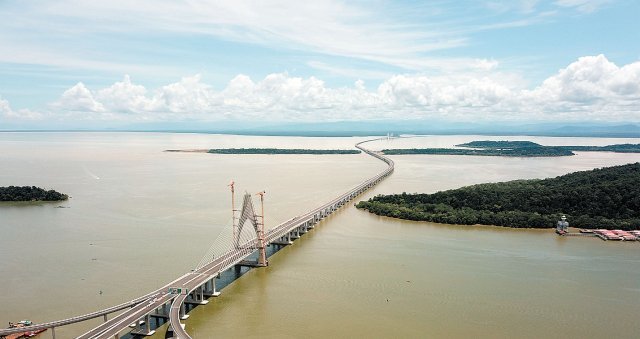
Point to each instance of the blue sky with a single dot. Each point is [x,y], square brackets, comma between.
[96,63]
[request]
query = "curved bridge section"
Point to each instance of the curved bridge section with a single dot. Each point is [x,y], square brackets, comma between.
[195,286]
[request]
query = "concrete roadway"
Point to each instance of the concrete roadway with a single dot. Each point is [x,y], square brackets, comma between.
[116,324]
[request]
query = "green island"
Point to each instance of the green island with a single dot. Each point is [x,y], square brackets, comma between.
[30,193]
[602,198]
[280,151]
[514,149]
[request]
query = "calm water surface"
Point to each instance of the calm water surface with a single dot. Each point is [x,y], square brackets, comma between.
[139,217]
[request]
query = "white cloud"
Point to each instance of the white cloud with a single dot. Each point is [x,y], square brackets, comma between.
[586,6]
[123,97]
[594,87]
[188,95]
[78,98]
[590,88]
[7,113]
[5,109]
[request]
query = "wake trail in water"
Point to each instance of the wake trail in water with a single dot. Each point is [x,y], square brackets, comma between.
[89,173]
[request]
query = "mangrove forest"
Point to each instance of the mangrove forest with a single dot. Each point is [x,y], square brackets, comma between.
[601,198]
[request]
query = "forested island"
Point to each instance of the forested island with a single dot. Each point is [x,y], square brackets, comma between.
[30,193]
[601,198]
[514,149]
[621,148]
[280,151]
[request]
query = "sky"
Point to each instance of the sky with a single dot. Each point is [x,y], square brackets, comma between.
[100,64]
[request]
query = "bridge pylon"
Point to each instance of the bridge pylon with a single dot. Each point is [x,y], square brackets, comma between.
[248,214]
[233,212]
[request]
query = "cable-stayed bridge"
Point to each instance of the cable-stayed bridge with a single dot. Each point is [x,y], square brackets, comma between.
[230,250]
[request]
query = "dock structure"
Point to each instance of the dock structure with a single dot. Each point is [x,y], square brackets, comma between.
[562,229]
[613,235]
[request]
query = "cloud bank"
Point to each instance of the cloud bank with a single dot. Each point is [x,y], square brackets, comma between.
[591,88]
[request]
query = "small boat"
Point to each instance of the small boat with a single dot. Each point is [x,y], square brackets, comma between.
[133,325]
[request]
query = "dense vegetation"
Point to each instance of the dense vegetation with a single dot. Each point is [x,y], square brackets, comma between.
[280,151]
[621,148]
[514,152]
[491,144]
[514,149]
[601,198]
[29,193]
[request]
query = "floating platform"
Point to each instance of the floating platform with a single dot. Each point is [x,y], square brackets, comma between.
[614,235]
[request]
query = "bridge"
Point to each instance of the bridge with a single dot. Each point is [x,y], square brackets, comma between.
[169,301]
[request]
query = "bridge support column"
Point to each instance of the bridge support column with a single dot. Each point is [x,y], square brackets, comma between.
[262,253]
[183,312]
[160,312]
[292,235]
[144,329]
[201,295]
[197,297]
[210,287]
[147,321]
[53,332]
[283,241]
[104,317]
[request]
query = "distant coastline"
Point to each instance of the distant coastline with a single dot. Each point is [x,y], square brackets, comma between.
[629,129]
[514,149]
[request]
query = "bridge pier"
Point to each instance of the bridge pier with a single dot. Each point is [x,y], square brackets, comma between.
[183,312]
[197,297]
[144,329]
[282,241]
[164,314]
[210,288]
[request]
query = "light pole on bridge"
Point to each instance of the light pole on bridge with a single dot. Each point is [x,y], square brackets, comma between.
[262,253]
